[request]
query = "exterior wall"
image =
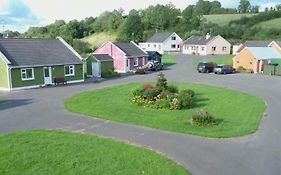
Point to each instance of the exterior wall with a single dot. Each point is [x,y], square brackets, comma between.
[105,67]
[167,44]
[197,49]
[246,60]
[141,61]
[4,80]
[118,56]
[57,72]
[218,42]
[152,47]
[275,46]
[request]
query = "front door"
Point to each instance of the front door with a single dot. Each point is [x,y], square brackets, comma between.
[47,75]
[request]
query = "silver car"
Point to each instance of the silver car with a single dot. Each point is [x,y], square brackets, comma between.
[223,69]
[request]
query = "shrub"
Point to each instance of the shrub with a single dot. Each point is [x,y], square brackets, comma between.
[186,99]
[161,83]
[138,92]
[175,104]
[140,101]
[172,89]
[150,94]
[202,118]
[148,87]
[166,94]
[162,104]
[241,69]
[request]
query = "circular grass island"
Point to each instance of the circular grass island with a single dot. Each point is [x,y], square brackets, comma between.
[58,152]
[237,113]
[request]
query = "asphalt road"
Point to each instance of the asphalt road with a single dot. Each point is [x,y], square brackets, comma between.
[256,154]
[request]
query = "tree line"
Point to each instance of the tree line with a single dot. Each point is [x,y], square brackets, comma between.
[139,25]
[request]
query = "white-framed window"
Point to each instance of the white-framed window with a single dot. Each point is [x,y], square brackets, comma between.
[148,45]
[214,48]
[173,46]
[224,49]
[174,38]
[27,74]
[202,48]
[186,47]
[154,45]
[69,70]
[136,61]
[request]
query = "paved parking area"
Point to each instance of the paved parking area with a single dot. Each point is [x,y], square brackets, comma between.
[256,154]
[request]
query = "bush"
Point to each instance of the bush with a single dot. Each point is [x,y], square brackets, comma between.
[162,104]
[202,118]
[166,94]
[161,83]
[138,92]
[241,69]
[140,101]
[151,94]
[172,89]
[186,99]
[175,104]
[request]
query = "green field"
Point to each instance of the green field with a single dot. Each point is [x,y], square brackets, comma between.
[97,39]
[224,19]
[56,152]
[227,59]
[239,113]
[271,24]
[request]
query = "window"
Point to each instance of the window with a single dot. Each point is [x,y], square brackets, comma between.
[27,74]
[178,46]
[173,46]
[214,48]
[202,48]
[224,49]
[154,45]
[148,45]
[136,61]
[69,70]
[174,38]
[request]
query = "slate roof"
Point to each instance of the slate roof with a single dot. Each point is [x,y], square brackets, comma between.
[198,40]
[159,37]
[264,53]
[130,49]
[103,57]
[37,52]
[279,43]
[254,44]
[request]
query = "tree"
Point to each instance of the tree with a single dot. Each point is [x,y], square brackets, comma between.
[255,9]
[132,28]
[244,6]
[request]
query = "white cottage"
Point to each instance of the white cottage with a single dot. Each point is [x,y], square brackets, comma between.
[163,42]
[206,45]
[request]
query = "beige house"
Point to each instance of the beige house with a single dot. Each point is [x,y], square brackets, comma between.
[255,58]
[206,45]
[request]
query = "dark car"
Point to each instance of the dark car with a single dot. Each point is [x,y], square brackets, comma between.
[223,69]
[154,65]
[206,67]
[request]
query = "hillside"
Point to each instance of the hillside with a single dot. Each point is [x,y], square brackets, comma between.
[97,39]
[271,24]
[224,19]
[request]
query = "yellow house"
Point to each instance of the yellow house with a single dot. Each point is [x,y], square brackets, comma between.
[255,58]
[276,45]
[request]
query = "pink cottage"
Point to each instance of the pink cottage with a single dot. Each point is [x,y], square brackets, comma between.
[127,56]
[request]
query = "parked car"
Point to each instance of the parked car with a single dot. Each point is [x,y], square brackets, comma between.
[140,70]
[223,69]
[206,67]
[154,66]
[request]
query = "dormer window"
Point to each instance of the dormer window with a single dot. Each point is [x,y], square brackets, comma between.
[174,38]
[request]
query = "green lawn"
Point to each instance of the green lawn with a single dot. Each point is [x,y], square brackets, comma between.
[224,19]
[219,60]
[168,60]
[238,113]
[56,152]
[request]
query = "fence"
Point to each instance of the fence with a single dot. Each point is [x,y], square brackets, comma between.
[272,70]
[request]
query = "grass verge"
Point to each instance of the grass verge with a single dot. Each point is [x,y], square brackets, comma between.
[57,152]
[227,59]
[168,60]
[238,113]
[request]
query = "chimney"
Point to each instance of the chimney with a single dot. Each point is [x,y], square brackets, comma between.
[208,36]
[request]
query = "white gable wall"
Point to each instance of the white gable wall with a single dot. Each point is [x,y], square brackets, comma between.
[170,45]
[218,42]
[152,47]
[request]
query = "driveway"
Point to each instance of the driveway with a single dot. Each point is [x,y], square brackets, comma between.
[256,154]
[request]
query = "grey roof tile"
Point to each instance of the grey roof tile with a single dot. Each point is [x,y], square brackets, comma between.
[159,37]
[37,52]
[198,40]
[103,57]
[130,49]
[254,44]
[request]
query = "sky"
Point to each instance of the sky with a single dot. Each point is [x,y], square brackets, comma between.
[22,14]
